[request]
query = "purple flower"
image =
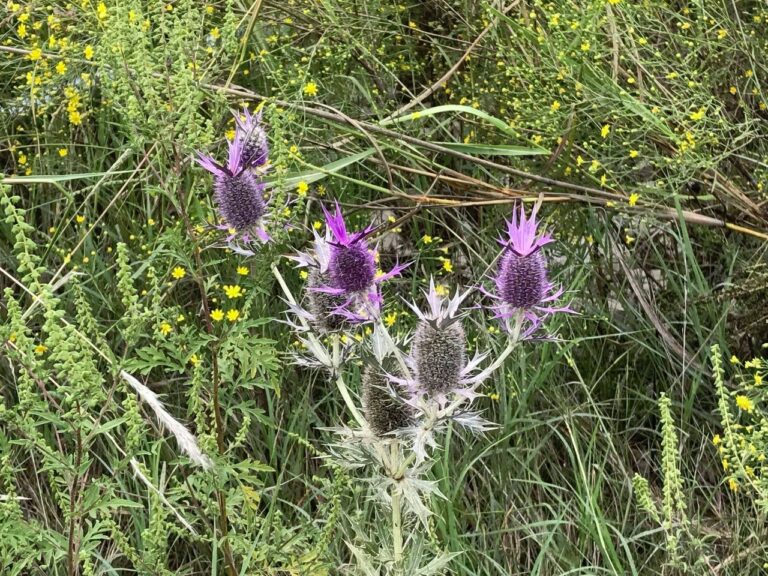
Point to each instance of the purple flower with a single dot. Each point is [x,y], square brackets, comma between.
[238,193]
[255,152]
[351,267]
[523,290]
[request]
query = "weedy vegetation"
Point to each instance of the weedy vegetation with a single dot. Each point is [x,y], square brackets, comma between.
[316,287]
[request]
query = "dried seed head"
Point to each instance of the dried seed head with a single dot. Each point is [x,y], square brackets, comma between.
[352,267]
[439,353]
[522,280]
[240,200]
[384,412]
[322,304]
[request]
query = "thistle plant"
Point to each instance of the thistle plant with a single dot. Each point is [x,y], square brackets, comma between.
[408,398]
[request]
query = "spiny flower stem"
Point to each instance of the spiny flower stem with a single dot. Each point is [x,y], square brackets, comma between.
[335,360]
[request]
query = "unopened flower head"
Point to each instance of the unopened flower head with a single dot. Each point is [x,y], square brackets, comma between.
[322,305]
[384,410]
[254,139]
[439,356]
[238,193]
[438,351]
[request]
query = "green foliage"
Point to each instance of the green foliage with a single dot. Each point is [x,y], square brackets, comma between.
[642,124]
[743,442]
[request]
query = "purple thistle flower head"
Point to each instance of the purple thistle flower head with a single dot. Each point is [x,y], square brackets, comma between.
[352,265]
[250,131]
[239,195]
[347,270]
[523,289]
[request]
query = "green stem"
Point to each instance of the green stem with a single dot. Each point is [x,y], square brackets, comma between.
[335,360]
[341,385]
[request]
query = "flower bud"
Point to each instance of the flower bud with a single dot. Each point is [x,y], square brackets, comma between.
[322,304]
[383,411]
[439,354]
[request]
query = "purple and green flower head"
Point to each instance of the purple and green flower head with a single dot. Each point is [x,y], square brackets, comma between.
[523,290]
[239,195]
[352,269]
[255,147]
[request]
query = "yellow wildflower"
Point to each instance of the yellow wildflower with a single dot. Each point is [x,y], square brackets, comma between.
[634,153]
[41,349]
[427,239]
[716,439]
[633,198]
[555,106]
[447,266]
[88,52]
[698,115]
[63,152]
[317,225]
[80,218]
[242,270]
[310,89]
[605,130]
[101,11]
[178,273]
[217,315]
[390,319]
[301,188]
[233,291]
[35,54]
[233,315]
[165,328]
[744,403]
[61,67]
[194,359]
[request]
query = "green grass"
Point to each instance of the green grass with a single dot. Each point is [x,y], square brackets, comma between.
[661,229]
